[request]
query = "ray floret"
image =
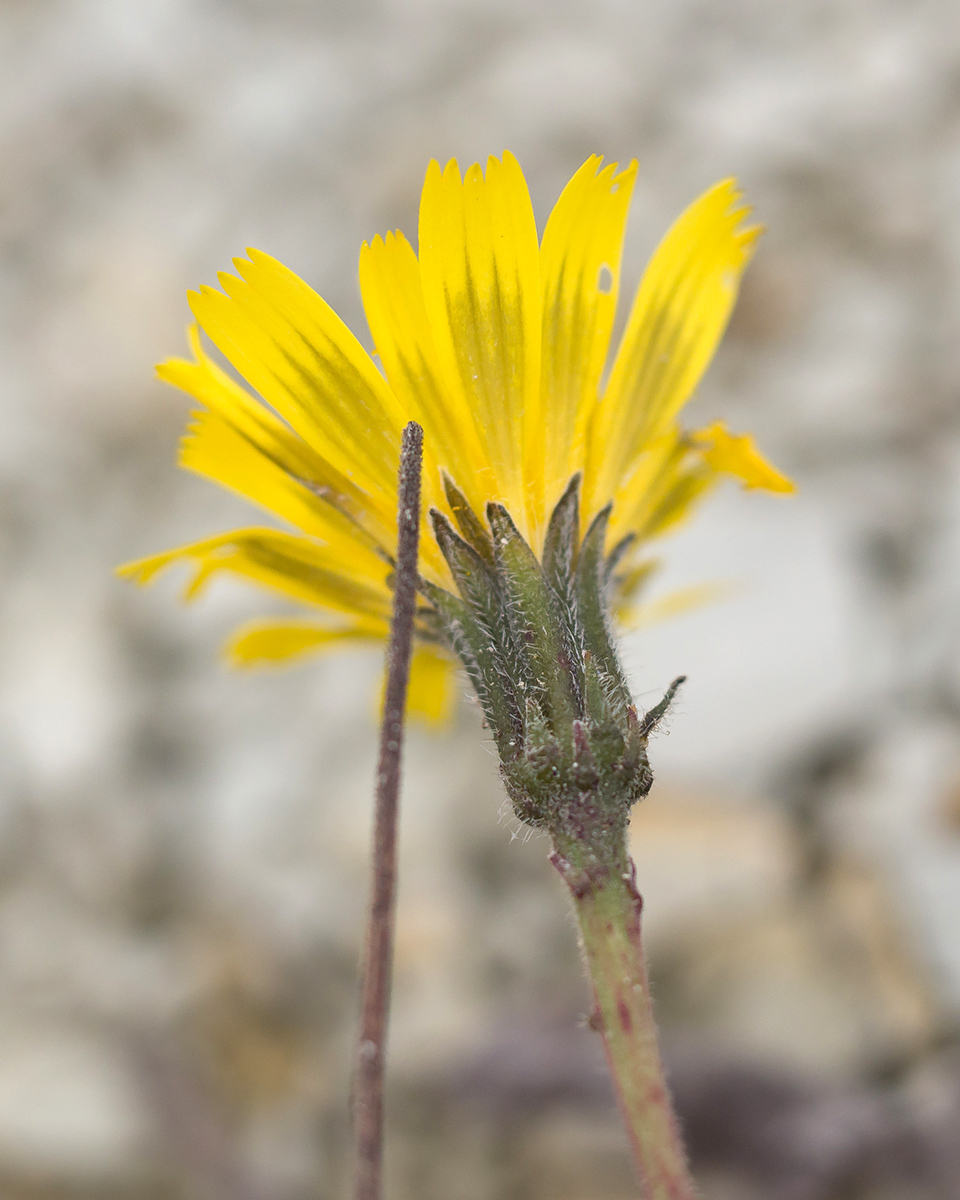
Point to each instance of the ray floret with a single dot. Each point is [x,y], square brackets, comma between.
[498,344]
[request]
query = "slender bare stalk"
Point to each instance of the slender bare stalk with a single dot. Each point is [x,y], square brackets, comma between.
[378,964]
[608,908]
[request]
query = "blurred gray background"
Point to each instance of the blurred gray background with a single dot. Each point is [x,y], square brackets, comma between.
[183,850]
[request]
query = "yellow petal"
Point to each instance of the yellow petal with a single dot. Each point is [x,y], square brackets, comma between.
[242,445]
[393,301]
[580,272]
[296,352]
[480,270]
[674,604]
[737,455]
[677,502]
[348,579]
[266,643]
[213,447]
[666,479]
[628,582]
[432,692]
[679,314]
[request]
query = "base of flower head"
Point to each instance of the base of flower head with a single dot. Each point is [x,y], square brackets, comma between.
[535,639]
[581,789]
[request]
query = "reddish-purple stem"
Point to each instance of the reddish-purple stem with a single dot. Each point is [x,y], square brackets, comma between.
[378,962]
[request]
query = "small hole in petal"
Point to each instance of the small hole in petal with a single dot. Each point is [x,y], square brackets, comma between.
[614,188]
[605,280]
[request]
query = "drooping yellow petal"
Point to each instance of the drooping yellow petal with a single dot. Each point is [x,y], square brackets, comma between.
[737,454]
[205,449]
[674,604]
[296,352]
[479,262]
[630,578]
[243,446]
[677,469]
[580,273]
[665,479]
[213,447]
[269,642]
[393,301]
[681,309]
[432,691]
[348,579]
[676,502]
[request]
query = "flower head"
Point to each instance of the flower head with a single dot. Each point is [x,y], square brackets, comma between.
[497,343]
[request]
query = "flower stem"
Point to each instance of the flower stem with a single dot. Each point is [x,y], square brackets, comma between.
[378,963]
[608,908]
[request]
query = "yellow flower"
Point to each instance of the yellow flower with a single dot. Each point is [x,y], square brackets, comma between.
[496,343]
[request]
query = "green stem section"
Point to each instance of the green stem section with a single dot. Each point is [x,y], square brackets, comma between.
[535,639]
[608,910]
